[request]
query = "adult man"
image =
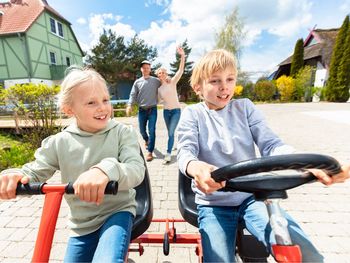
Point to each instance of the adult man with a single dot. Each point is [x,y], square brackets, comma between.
[144,92]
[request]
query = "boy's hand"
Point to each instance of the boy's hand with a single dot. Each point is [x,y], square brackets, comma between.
[337,178]
[90,186]
[201,172]
[8,184]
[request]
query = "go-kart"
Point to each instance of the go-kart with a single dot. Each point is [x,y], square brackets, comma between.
[258,176]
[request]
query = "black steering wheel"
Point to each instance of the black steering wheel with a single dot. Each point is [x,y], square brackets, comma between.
[259,175]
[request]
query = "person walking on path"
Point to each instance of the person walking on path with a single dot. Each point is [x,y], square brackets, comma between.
[167,94]
[90,152]
[144,92]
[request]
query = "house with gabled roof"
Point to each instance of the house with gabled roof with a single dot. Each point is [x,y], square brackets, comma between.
[318,48]
[37,44]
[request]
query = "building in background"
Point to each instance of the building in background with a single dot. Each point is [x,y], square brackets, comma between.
[37,44]
[318,48]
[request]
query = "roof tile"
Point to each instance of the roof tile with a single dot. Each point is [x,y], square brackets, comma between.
[19,15]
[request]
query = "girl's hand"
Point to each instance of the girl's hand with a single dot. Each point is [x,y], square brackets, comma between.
[8,184]
[201,172]
[180,51]
[337,178]
[90,186]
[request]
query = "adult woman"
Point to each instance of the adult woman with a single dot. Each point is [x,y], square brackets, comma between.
[167,93]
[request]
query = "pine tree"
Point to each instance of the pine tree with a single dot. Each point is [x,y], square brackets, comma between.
[183,86]
[298,58]
[333,91]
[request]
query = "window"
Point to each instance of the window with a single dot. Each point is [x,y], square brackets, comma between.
[60,29]
[56,27]
[68,61]
[53,58]
[53,25]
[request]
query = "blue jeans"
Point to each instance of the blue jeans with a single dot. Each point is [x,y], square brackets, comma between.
[171,118]
[218,225]
[150,116]
[110,243]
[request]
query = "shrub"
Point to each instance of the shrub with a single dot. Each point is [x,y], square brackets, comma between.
[16,155]
[36,105]
[285,86]
[303,84]
[265,90]
[238,91]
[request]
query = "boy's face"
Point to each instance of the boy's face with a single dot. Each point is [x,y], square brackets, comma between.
[218,89]
[90,106]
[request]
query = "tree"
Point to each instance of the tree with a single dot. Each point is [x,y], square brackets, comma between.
[137,50]
[344,70]
[116,60]
[298,58]
[183,86]
[334,91]
[108,56]
[231,34]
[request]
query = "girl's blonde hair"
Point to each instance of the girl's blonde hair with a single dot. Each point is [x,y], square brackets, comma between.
[75,75]
[213,61]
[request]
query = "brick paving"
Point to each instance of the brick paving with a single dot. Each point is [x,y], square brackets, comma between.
[323,212]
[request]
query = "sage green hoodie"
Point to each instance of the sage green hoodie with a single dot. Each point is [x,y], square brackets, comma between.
[114,150]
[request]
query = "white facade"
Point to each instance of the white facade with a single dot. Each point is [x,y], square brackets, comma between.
[11,82]
[320,76]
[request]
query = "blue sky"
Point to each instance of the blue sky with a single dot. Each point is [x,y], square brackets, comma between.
[272,26]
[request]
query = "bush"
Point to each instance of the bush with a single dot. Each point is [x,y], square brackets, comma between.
[265,90]
[16,156]
[36,105]
[286,87]
[303,84]
[238,91]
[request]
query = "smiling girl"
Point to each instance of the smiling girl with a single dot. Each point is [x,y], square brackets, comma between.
[90,152]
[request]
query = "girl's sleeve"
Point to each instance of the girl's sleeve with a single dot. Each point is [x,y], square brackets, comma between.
[45,163]
[188,147]
[129,168]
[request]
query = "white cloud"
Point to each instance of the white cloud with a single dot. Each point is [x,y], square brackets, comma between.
[100,22]
[284,21]
[81,21]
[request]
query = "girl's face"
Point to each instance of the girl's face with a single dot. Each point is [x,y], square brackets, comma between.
[218,89]
[90,105]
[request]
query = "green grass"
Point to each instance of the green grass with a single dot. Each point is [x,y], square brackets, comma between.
[13,152]
[7,140]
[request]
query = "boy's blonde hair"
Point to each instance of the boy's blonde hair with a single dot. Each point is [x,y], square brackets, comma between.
[75,75]
[213,61]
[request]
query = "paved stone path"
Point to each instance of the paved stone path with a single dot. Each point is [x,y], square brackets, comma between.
[323,212]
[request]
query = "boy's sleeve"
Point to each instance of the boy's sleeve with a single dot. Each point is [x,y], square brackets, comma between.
[129,169]
[188,146]
[266,140]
